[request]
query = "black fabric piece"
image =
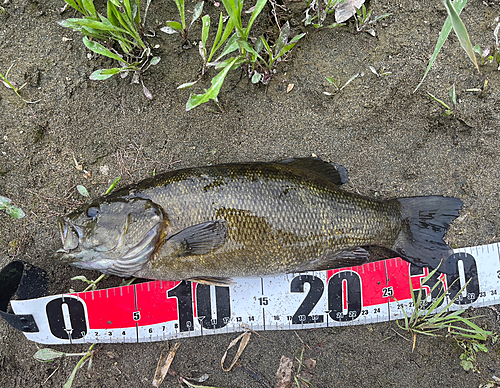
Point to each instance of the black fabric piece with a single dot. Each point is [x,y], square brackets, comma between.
[21,281]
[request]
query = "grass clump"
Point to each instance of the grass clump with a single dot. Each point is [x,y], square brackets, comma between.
[260,58]
[122,34]
[452,21]
[317,12]
[181,27]
[12,85]
[430,318]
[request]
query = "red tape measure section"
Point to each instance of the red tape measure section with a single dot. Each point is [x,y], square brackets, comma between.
[127,306]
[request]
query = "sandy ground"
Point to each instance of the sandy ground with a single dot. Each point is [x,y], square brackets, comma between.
[393,142]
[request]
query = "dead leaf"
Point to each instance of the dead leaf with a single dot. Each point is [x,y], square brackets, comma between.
[245,337]
[347,9]
[164,364]
[284,373]
[289,88]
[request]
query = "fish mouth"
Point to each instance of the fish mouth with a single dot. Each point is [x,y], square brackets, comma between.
[71,237]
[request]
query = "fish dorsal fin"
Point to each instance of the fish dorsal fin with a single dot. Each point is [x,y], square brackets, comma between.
[335,173]
[198,239]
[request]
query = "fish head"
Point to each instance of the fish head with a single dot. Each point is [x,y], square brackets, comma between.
[116,236]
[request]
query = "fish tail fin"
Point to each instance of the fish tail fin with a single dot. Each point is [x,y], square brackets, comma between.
[425,221]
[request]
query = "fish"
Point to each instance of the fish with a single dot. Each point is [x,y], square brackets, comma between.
[213,223]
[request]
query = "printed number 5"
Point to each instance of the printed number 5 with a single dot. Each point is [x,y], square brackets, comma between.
[137,315]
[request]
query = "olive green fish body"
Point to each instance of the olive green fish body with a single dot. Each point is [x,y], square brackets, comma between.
[249,219]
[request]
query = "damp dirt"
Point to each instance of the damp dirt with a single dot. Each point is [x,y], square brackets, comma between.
[392,141]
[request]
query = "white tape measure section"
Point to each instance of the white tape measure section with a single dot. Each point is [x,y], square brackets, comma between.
[161,310]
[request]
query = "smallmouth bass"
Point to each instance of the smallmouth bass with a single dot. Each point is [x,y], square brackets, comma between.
[212,223]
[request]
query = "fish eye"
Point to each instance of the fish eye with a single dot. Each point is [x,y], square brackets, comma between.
[92,212]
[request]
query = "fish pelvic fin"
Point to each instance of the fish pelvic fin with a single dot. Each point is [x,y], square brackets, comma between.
[425,221]
[333,172]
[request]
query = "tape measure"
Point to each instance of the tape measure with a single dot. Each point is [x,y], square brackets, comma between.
[163,310]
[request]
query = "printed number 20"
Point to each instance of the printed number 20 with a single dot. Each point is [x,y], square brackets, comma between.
[342,307]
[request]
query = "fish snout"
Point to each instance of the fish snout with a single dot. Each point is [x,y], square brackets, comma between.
[70,237]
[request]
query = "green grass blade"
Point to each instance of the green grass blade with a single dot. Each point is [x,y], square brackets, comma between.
[99,25]
[459,6]
[138,11]
[213,92]
[76,6]
[205,29]
[461,31]
[102,74]
[100,49]
[234,15]
[231,46]
[113,185]
[198,9]
[282,38]
[453,95]
[89,6]
[256,11]
[243,44]
[438,100]
[229,29]
[289,46]
[112,11]
[180,7]
[128,9]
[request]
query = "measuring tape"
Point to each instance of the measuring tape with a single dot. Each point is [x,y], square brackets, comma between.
[163,310]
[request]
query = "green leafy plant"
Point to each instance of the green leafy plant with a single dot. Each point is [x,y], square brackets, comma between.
[470,349]
[452,21]
[486,56]
[336,84]
[318,10]
[92,284]
[47,355]
[12,85]
[261,58]
[363,22]
[182,28]
[430,317]
[10,209]
[263,65]
[453,98]
[122,26]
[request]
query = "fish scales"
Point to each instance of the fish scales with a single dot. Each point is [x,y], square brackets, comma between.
[275,222]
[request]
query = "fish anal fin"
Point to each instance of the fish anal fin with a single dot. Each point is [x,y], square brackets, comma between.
[210,281]
[335,173]
[338,259]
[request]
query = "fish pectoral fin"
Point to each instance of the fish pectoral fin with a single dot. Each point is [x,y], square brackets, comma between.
[338,259]
[220,282]
[199,239]
[334,172]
